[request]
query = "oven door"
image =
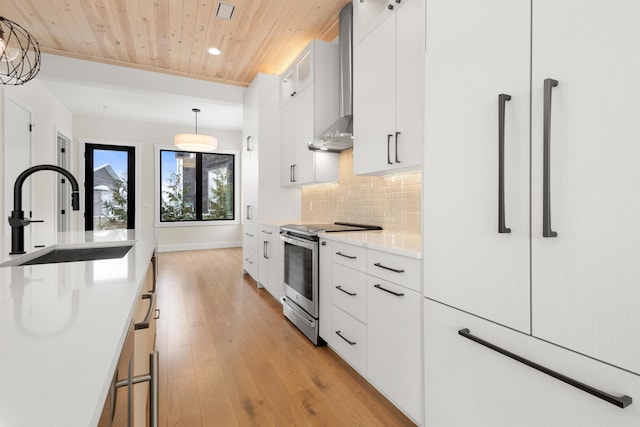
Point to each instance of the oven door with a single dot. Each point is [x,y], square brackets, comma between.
[301,272]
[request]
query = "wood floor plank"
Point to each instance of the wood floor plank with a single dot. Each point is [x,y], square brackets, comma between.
[228,357]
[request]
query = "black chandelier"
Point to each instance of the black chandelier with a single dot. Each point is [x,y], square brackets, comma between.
[19,54]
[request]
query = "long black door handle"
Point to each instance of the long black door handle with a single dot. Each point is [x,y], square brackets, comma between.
[293,173]
[346,256]
[620,401]
[549,84]
[398,294]
[395,270]
[389,135]
[502,100]
[351,294]
[397,135]
[339,333]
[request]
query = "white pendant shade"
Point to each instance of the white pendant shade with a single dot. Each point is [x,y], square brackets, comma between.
[195,142]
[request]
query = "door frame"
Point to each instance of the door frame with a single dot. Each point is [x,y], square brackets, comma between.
[82,142]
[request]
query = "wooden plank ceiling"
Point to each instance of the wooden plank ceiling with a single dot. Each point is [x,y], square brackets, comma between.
[173,36]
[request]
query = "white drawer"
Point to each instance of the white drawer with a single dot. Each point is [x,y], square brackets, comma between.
[250,262]
[350,255]
[394,268]
[349,291]
[496,390]
[250,235]
[267,232]
[349,339]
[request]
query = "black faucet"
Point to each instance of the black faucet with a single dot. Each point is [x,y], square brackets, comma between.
[17,221]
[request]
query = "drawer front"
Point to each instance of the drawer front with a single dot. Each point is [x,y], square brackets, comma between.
[350,255]
[270,233]
[250,235]
[349,291]
[497,391]
[250,262]
[349,339]
[395,268]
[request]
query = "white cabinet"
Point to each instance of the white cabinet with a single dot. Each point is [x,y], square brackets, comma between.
[309,105]
[585,290]
[468,384]
[262,195]
[565,275]
[325,288]
[388,67]
[370,13]
[375,318]
[577,289]
[467,262]
[271,261]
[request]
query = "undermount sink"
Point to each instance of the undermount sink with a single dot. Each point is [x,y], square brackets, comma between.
[71,254]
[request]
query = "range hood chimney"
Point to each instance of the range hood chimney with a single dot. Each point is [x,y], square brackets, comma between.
[339,136]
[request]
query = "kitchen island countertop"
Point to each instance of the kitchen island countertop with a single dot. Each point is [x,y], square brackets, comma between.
[62,327]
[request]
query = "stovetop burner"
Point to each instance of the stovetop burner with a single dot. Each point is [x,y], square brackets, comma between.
[314,229]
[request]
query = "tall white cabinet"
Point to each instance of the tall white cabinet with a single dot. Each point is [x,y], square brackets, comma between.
[262,195]
[539,240]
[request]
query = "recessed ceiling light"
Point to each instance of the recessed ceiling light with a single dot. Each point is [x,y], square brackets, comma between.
[214,51]
[225,10]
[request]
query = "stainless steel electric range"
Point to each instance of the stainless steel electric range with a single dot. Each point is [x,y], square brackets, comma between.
[301,279]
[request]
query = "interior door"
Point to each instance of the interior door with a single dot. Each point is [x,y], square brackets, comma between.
[17,158]
[586,286]
[109,187]
[468,262]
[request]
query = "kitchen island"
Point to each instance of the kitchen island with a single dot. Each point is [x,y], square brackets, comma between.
[62,328]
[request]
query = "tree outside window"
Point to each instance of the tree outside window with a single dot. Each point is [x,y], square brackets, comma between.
[196,186]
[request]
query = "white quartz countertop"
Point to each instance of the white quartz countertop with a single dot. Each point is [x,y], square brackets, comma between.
[62,327]
[396,242]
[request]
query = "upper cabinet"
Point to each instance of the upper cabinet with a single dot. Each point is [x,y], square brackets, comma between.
[309,105]
[368,14]
[388,69]
[533,223]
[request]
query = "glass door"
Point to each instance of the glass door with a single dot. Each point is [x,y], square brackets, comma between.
[109,187]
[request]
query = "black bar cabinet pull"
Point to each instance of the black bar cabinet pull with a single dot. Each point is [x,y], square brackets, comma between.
[502,100]
[389,135]
[293,173]
[352,294]
[398,294]
[397,135]
[619,401]
[549,84]
[395,270]
[338,333]
[346,256]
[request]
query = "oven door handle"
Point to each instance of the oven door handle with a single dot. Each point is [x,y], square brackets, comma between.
[308,244]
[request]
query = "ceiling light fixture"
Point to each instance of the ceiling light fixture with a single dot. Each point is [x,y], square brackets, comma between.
[195,141]
[19,54]
[214,51]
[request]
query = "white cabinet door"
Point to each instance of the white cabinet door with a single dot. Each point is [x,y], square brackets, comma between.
[367,15]
[325,287]
[409,137]
[477,51]
[271,262]
[374,99]
[467,384]
[585,281]
[393,343]
[287,142]
[304,167]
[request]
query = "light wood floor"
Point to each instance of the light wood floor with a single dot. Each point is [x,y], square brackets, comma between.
[228,357]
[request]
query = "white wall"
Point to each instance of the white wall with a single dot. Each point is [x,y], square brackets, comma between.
[49,117]
[146,135]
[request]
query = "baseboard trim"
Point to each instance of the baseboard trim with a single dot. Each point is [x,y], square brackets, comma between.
[198,246]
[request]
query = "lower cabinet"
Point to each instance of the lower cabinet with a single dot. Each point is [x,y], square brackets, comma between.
[468,384]
[271,261]
[250,248]
[375,319]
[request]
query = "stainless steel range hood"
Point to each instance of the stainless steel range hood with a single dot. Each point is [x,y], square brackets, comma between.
[339,136]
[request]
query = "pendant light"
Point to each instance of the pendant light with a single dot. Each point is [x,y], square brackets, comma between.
[195,141]
[19,54]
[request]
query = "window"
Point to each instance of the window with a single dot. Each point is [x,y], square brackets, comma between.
[196,186]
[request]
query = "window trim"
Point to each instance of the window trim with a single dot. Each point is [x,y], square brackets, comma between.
[212,223]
